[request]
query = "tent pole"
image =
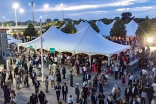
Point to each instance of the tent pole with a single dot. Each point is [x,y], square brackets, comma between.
[109,61]
[90,60]
[41,52]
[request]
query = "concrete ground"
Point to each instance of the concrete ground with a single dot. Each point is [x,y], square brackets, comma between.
[24,94]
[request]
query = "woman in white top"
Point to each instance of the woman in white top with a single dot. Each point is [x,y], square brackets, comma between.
[70,100]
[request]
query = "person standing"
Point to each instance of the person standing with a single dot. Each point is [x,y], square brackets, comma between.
[143,96]
[127,93]
[100,86]
[37,85]
[30,70]
[123,80]
[58,75]
[64,92]
[1,80]
[63,72]
[116,71]
[94,98]
[52,78]
[33,99]
[71,79]
[101,98]
[58,88]
[16,70]
[41,97]
[77,92]
[18,81]
[33,76]
[46,84]
[6,94]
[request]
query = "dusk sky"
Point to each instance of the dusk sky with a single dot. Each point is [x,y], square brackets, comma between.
[76,9]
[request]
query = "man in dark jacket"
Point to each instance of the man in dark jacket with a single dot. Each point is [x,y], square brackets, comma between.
[64,92]
[63,72]
[127,93]
[77,92]
[94,98]
[33,99]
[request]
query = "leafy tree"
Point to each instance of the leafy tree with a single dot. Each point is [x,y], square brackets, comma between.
[48,25]
[145,28]
[118,29]
[69,28]
[126,17]
[30,31]
[60,24]
[78,22]
[107,21]
[94,26]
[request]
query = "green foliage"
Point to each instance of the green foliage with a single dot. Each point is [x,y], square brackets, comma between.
[118,29]
[146,28]
[107,21]
[69,28]
[30,31]
[94,26]
[78,22]
[48,25]
[126,17]
[60,24]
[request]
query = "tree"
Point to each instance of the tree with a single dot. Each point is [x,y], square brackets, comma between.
[48,25]
[126,17]
[69,28]
[30,31]
[118,29]
[78,22]
[94,26]
[107,21]
[145,28]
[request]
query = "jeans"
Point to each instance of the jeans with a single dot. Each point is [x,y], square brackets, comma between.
[58,95]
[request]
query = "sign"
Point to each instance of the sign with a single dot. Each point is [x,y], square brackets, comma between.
[52,50]
[31,47]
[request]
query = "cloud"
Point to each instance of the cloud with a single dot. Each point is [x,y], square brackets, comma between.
[144,8]
[73,7]
[92,12]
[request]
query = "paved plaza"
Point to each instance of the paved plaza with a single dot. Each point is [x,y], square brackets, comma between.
[24,94]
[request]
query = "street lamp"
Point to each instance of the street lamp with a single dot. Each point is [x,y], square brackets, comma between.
[21,11]
[46,6]
[3,21]
[32,4]
[62,11]
[16,6]
[41,49]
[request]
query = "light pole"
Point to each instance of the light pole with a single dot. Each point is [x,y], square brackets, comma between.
[3,21]
[15,6]
[32,4]
[42,67]
[62,11]
[21,11]
[46,6]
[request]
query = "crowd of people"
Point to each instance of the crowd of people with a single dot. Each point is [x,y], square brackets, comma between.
[95,72]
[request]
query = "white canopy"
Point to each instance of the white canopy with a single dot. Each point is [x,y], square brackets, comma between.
[12,40]
[81,25]
[104,29]
[86,41]
[131,28]
[93,43]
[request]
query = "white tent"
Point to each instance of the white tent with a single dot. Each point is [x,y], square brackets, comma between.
[131,28]
[93,43]
[12,40]
[104,29]
[86,41]
[54,38]
[81,25]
